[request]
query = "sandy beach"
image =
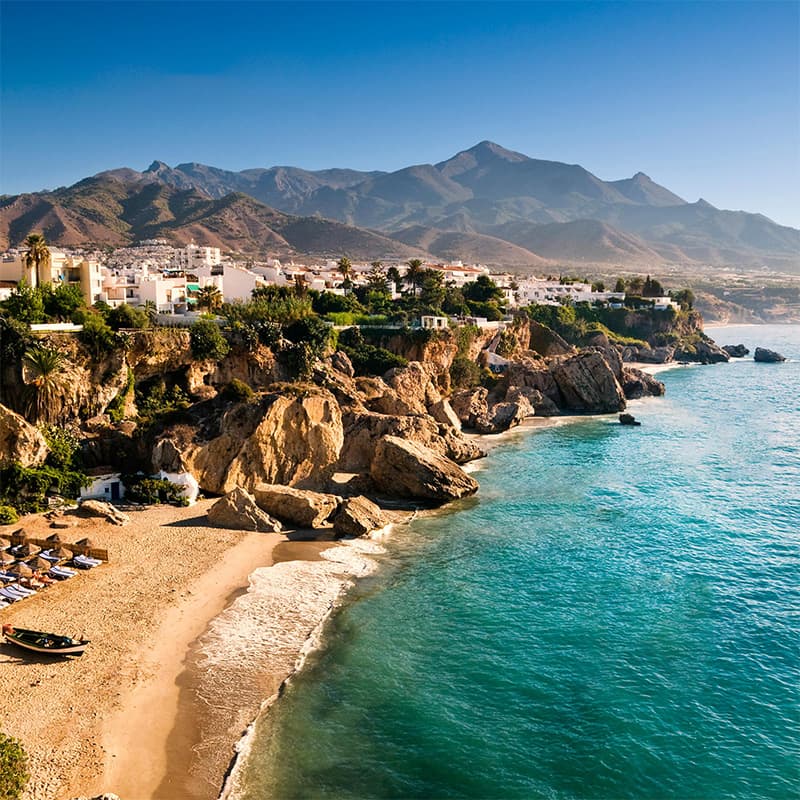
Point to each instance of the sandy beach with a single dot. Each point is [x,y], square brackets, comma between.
[123,718]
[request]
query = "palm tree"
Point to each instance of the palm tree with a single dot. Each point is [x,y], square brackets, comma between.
[210,297]
[42,371]
[345,267]
[37,258]
[151,309]
[414,274]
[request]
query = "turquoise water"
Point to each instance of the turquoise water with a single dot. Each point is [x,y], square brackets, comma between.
[615,615]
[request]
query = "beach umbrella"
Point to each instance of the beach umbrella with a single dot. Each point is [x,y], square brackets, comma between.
[53,539]
[21,569]
[19,536]
[37,564]
[87,543]
[27,549]
[60,552]
[6,558]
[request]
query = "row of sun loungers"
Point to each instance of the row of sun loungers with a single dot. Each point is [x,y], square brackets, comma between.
[20,579]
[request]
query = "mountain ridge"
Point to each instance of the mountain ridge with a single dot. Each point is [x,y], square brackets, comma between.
[488,200]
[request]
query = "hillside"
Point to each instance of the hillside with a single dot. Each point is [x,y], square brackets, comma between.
[108,211]
[486,203]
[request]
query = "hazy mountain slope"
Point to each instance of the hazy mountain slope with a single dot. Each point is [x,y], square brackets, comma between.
[469,247]
[104,210]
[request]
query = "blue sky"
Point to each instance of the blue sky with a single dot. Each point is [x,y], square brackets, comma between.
[703,97]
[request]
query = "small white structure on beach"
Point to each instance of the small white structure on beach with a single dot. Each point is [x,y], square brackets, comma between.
[186,481]
[104,486]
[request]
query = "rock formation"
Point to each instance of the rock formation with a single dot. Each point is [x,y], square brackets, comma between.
[97,508]
[637,384]
[766,356]
[405,469]
[358,516]
[587,383]
[299,507]
[20,441]
[239,511]
[736,350]
[703,351]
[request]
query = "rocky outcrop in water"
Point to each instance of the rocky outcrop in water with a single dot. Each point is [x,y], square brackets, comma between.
[702,351]
[648,355]
[299,507]
[239,511]
[20,441]
[358,516]
[736,350]
[587,383]
[765,356]
[637,384]
[406,469]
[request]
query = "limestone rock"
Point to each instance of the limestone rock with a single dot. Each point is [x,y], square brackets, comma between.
[415,385]
[767,356]
[542,406]
[636,384]
[534,374]
[20,441]
[648,355]
[276,439]
[628,419]
[443,412]
[587,383]
[546,342]
[470,405]
[97,508]
[503,416]
[341,363]
[703,351]
[358,516]
[735,350]
[364,429]
[406,469]
[239,511]
[300,507]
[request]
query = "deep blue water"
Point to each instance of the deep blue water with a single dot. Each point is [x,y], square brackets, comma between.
[615,615]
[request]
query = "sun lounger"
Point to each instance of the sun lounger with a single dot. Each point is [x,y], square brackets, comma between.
[9,595]
[84,562]
[22,591]
[48,556]
[6,577]
[61,573]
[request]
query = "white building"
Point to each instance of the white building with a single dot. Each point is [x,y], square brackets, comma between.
[194,256]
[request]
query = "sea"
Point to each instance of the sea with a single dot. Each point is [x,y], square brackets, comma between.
[616,614]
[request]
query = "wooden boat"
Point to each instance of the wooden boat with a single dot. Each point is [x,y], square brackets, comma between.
[41,642]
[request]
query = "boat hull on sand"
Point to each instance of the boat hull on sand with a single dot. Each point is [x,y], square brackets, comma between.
[50,644]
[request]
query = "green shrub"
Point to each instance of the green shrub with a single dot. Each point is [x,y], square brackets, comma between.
[64,446]
[152,491]
[367,359]
[157,401]
[237,391]
[8,515]
[206,340]
[13,768]
[116,408]
[465,373]
[97,336]
[27,488]
[125,316]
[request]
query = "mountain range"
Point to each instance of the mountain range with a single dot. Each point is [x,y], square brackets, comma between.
[485,204]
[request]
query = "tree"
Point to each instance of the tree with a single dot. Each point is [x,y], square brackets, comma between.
[598,286]
[345,267]
[619,286]
[393,275]
[376,277]
[433,290]
[125,316]
[483,290]
[25,304]
[13,768]
[413,275]
[42,374]
[97,336]
[652,288]
[37,259]
[210,297]
[62,300]
[684,297]
[207,341]
[635,286]
[151,309]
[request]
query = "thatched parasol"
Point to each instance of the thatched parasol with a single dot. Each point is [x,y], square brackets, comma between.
[53,539]
[21,569]
[37,564]
[19,536]
[61,552]
[6,558]
[27,549]
[85,543]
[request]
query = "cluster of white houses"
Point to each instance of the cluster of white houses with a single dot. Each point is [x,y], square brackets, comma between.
[170,277]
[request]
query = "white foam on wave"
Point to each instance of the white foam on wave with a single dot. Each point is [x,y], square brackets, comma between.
[253,648]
